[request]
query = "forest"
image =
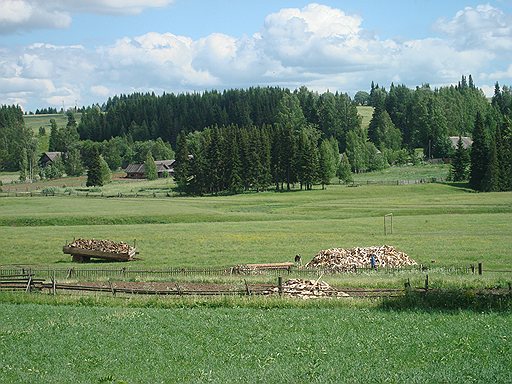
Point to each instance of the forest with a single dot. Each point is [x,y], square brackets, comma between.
[271,137]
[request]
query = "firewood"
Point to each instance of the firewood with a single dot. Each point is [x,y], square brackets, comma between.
[346,260]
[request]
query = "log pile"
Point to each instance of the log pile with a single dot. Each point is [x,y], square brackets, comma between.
[107,246]
[82,250]
[347,260]
[306,289]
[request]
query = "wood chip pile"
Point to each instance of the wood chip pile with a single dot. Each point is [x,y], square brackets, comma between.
[108,246]
[347,260]
[306,289]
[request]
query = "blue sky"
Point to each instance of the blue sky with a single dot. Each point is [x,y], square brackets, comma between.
[83,51]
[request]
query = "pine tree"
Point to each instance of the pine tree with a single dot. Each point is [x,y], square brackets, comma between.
[150,167]
[460,162]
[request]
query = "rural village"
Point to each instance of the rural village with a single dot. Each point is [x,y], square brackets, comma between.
[256,231]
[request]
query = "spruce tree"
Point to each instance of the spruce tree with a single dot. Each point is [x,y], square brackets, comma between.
[94,174]
[491,181]
[479,155]
[182,167]
[460,162]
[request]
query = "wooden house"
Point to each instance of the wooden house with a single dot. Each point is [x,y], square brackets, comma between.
[48,158]
[164,168]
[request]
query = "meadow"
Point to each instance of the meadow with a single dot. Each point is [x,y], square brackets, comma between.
[431,222]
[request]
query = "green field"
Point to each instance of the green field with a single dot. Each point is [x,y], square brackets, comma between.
[226,344]
[448,224]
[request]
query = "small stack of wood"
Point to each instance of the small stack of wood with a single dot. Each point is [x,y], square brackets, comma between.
[347,260]
[83,249]
[102,245]
[249,269]
[306,289]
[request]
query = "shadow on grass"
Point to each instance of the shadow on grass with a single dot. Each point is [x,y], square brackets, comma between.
[452,300]
[464,186]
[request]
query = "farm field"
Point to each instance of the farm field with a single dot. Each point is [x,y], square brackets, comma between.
[314,343]
[438,222]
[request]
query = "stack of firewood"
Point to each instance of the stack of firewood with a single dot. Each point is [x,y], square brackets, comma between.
[102,246]
[306,289]
[346,260]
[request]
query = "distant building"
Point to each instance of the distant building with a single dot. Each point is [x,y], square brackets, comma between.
[48,158]
[164,168]
[467,142]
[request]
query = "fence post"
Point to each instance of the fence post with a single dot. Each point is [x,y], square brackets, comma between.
[426,282]
[407,286]
[480,268]
[280,285]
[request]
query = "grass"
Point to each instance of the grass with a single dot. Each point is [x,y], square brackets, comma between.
[431,222]
[224,343]
[366,113]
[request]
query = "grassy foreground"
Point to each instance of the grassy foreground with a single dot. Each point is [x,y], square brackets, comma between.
[221,344]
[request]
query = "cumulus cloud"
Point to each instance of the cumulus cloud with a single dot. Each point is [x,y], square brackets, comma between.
[483,25]
[317,46]
[18,15]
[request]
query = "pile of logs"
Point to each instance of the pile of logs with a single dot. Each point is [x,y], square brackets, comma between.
[306,289]
[347,260]
[107,246]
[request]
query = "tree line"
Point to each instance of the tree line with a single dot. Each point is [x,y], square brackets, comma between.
[264,120]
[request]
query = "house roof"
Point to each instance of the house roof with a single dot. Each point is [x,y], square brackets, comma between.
[52,155]
[134,168]
[161,166]
[466,141]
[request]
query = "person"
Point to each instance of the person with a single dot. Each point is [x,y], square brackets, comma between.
[372,262]
[298,259]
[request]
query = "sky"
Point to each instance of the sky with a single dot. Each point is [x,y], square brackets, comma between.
[56,53]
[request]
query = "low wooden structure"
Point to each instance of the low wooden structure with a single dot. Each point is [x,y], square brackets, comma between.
[81,255]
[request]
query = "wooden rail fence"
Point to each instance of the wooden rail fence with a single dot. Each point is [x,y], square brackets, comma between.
[129,273]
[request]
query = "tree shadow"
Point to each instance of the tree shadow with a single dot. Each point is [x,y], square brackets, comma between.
[460,185]
[450,300]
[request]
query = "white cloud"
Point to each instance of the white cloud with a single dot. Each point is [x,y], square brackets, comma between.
[16,15]
[28,14]
[100,90]
[483,25]
[317,46]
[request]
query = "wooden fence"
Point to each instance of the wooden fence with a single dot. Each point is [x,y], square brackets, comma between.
[79,273]
[24,192]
